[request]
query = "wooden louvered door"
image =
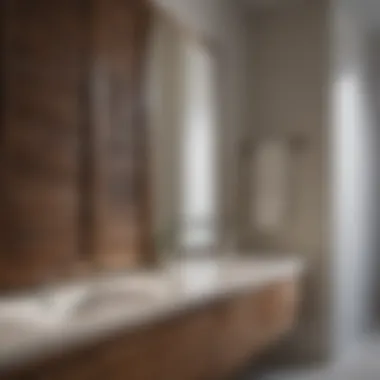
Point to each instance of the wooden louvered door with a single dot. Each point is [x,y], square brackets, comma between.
[42,116]
[120,152]
[73,162]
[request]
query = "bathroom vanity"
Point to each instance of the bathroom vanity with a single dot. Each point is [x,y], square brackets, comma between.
[170,324]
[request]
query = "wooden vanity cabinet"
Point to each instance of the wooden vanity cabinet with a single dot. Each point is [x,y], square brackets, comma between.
[277,310]
[234,345]
[211,342]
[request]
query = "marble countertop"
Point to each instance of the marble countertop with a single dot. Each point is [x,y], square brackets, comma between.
[62,318]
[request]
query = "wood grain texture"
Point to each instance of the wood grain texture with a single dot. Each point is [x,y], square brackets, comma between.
[42,49]
[73,156]
[119,153]
[213,342]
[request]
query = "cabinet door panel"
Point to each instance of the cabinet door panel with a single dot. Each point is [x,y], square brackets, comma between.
[42,118]
[235,341]
[277,310]
[118,157]
[73,155]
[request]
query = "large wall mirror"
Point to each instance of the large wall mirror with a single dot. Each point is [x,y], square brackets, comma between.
[183,120]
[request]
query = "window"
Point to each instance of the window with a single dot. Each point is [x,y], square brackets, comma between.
[198,198]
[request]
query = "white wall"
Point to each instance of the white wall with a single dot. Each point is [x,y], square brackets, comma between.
[353,188]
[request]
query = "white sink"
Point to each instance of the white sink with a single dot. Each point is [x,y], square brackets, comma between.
[56,309]
[23,320]
[17,330]
[114,296]
[26,312]
[105,302]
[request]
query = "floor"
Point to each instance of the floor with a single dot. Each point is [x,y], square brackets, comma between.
[363,365]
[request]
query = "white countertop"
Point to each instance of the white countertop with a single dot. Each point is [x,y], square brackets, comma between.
[60,318]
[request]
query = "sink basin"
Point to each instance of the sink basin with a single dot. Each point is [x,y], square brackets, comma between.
[21,321]
[108,301]
[55,309]
[25,312]
[120,295]
[14,331]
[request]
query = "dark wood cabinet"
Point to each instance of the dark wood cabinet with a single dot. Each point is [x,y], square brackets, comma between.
[73,155]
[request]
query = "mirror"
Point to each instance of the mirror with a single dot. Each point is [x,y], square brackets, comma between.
[183,120]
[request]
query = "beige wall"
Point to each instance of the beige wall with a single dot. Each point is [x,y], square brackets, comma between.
[309,80]
[289,63]
[220,24]
[375,102]
[164,121]
[290,56]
